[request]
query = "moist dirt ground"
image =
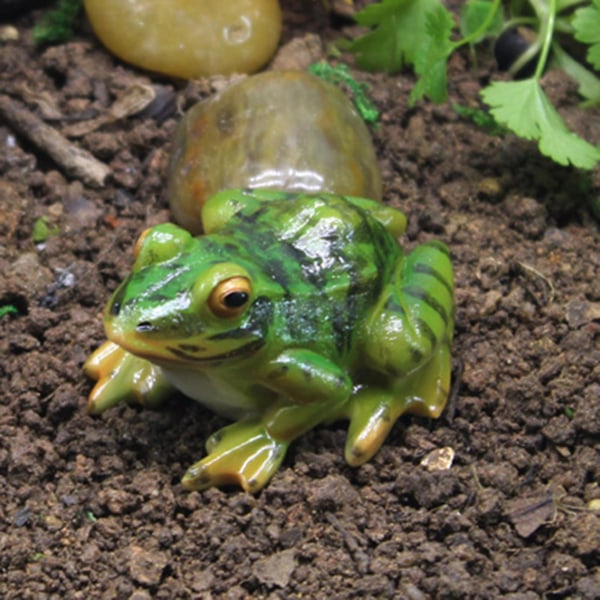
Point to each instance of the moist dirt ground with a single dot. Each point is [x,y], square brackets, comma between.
[92,507]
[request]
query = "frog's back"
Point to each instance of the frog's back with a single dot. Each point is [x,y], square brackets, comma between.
[324,243]
[329,257]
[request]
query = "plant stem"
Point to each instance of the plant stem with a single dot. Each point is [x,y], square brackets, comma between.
[546,32]
[515,22]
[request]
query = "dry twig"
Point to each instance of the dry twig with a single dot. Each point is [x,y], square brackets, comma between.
[75,162]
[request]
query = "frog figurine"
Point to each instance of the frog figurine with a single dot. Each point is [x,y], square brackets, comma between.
[291,310]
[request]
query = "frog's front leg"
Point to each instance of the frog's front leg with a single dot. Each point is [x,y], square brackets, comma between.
[122,376]
[407,338]
[311,390]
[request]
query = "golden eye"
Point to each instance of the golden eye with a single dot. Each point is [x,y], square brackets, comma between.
[140,241]
[230,297]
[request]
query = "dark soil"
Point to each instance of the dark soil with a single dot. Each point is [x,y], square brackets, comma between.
[91,507]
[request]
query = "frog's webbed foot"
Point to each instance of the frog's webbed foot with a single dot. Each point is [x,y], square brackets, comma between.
[373,411]
[121,377]
[243,453]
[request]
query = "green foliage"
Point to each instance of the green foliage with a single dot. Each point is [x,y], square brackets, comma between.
[473,18]
[58,25]
[482,118]
[340,75]
[399,28]
[587,30]
[8,309]
[42,230]
[420,34]
[538,120]
[430,62]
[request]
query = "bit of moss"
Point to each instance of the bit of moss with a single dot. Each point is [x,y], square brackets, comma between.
[481,118]
[58,25]
[8,309]
[340,75]
[42,230]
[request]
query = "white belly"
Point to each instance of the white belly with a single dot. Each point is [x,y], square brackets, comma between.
[215,394]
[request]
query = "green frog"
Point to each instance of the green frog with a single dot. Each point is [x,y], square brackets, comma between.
[291,310]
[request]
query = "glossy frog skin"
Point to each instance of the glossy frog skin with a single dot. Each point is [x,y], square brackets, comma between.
[291,311]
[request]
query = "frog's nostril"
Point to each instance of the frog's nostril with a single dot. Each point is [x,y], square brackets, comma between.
[145,327]
[115,309]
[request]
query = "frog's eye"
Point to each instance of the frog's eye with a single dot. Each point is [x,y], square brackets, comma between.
[230,297]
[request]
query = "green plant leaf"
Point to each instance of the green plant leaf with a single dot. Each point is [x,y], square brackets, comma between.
[399,30]
[526,110]
[8,309]
[586,23]
[42,230]
[430,63]
[473,14]
[589,84]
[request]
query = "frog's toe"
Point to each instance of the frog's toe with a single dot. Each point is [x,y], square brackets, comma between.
[122,376]
[242,454]
[428,390]
[371,419]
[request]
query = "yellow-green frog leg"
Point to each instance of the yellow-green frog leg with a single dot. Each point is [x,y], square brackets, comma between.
[247,453]
[414,314]
[123,377]
[391,218]
[374,410]
[408,334]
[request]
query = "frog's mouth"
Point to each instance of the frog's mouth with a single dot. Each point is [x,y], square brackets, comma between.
[182,352]
[168,354]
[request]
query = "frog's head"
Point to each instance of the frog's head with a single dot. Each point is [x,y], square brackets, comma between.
[188,302]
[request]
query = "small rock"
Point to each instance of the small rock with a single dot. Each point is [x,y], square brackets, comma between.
[440,459]
[298,54]
[594,505]
[8,33]
[332,492]
[579,312]
[490,188]
[528,216]
[275,569]
[30,274]
[203,580]
[146,567]
[529,514]
[491,302]
[140,595]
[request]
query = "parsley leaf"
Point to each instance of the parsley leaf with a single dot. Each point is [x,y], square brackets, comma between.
[399,30]
[586,23]
[525,109]
[588,85]
[474,14]
[430,63]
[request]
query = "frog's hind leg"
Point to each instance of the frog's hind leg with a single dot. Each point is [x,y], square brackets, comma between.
[414,315]
[407,341]
[373,411]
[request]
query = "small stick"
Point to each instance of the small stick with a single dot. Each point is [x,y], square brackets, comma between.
[75,161]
